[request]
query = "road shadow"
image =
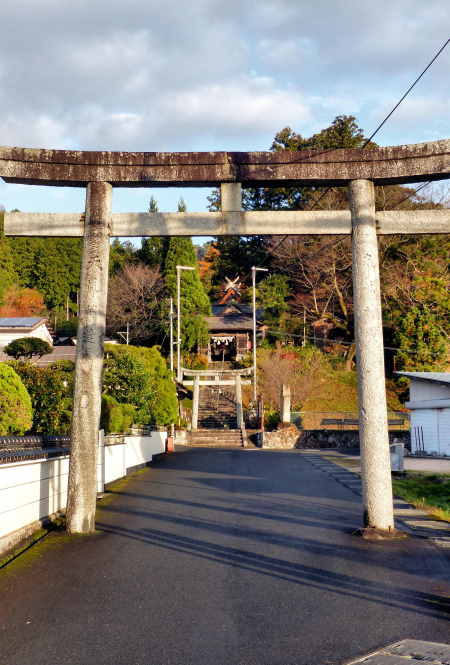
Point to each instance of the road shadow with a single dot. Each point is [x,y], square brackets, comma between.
[279,521]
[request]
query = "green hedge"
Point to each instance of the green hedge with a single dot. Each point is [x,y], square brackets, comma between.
[16,410]
[139,376]
[116,418]
[50,389]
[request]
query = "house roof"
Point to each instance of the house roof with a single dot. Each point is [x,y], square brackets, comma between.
[439,377]
[235,309]
[232,316]
[23,322]
[238,322]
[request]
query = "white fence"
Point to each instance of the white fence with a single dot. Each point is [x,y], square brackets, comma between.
[32,490]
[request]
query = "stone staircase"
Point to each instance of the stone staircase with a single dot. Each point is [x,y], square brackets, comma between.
[217,408]
[216,438]
[217,419]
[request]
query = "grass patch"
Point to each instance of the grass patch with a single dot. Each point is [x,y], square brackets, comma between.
[430,492]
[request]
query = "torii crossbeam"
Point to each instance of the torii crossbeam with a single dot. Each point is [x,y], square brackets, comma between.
[99,172]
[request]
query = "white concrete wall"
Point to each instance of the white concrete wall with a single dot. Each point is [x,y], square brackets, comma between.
[115,462]
[34,489]
[420,391]
[30,491]
[140,449]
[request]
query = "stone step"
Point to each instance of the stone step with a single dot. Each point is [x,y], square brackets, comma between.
[216,438]
[218,433]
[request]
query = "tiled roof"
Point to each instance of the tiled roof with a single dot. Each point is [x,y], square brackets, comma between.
[236,322]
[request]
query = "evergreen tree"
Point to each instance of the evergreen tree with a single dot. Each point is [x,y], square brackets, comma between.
[153,204]
[421,341]
[154,249]
[194,301]
[51,265]
[121,253]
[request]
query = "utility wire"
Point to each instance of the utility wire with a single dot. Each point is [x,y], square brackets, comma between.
[407,93]
[323,339]
[367,141]
[422,186]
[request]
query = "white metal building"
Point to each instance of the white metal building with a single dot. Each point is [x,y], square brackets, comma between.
[429,401]
[14,327]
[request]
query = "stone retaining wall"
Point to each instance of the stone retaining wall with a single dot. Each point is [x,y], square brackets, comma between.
[291,437]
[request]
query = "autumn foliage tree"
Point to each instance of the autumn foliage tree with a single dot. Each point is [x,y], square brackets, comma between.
[18,301]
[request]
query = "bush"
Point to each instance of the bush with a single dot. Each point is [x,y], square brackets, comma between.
[116,418]
[195,361]
[27,347]
[67,328]
[271,419]
[139,376]
[50,389]
[16,410]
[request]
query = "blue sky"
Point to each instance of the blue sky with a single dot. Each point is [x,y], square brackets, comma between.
[210,75]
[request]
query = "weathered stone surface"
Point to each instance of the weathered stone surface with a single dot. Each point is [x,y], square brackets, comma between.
[312,439]
[89,360]
[395,164]
[408,652]
[283,437]
[255,222]
[373,425]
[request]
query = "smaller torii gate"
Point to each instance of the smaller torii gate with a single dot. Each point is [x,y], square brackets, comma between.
[216,378]
[99,172]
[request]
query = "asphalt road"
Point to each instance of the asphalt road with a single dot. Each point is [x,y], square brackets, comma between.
[222,557]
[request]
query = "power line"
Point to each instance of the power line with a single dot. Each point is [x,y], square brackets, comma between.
[367,141]
[406,93]
[422,186]
[323,339]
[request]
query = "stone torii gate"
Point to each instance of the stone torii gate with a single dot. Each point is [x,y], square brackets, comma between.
[99,172]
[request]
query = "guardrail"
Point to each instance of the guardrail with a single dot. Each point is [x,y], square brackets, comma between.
[343,420]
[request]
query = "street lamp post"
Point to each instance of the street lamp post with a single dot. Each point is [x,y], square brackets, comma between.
[171,334]
[254,269]
[179,269]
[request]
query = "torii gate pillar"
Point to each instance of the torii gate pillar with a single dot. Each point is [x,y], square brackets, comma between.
[373,426]
[89,359]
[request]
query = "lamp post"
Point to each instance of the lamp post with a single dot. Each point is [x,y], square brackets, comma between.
[179,269]
[254,269]
[171,334]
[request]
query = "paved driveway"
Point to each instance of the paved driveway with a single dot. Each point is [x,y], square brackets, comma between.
[222,557]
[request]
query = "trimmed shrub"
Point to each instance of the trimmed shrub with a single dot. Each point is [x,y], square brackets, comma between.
[27,347]
[16,410]
[139,376]
[116,418]
[50,389]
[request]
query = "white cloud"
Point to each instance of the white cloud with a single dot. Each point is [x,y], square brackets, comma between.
[145,75]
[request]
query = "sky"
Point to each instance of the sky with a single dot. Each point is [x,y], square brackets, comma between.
[210,75]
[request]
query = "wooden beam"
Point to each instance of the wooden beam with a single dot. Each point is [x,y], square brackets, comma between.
[285,222]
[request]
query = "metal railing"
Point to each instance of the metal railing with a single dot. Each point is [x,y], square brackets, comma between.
[343,420]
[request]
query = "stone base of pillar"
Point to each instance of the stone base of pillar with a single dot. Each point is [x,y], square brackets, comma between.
[372,534]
